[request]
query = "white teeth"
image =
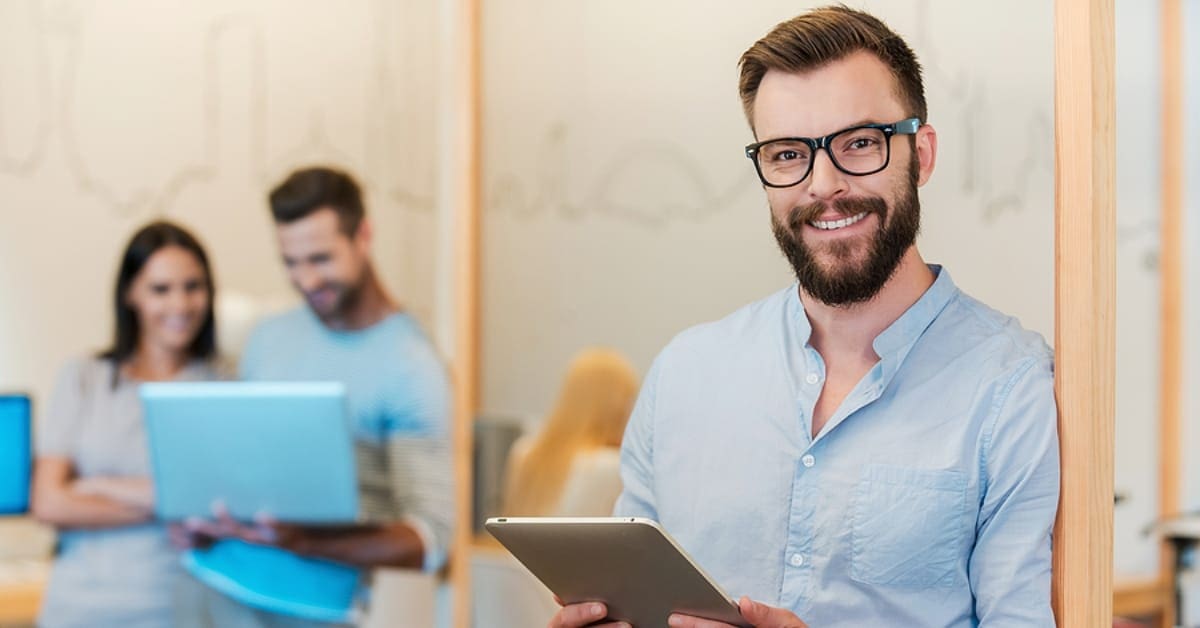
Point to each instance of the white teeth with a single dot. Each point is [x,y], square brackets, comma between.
[829,225]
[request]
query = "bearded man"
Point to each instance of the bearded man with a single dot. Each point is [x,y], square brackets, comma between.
[870,446]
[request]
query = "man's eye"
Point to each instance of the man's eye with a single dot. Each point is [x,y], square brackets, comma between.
[787,154]
[861,143]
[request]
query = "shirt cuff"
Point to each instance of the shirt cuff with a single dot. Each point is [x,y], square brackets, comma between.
[435,555]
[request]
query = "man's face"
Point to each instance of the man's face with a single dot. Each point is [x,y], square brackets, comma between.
[843,234]
[324,264]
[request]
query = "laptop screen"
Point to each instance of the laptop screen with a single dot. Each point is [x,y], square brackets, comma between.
[15,462]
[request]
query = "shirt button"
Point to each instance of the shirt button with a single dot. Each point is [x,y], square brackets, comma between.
[797,560]
[808,461]
[812,378]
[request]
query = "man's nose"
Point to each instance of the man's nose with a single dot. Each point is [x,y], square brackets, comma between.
[306,279]
[826,182]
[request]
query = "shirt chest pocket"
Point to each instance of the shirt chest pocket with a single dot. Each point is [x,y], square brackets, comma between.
[907,527]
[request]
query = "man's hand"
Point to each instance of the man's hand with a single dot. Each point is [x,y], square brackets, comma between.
[757,614]
[201,533]
[579,615]
[363,545]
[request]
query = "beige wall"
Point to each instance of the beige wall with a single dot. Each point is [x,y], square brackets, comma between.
[115,113]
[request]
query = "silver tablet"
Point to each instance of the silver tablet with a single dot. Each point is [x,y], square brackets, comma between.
[629,563]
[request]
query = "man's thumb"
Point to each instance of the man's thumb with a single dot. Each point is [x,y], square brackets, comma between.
[754,612]
[763,616]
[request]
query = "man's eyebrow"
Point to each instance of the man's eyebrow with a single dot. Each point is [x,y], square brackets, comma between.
[862,122]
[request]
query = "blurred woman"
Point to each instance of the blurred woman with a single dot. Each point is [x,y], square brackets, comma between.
[571,466]
[115,566]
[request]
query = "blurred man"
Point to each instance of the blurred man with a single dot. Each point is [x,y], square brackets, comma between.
[871,446]
[269,573]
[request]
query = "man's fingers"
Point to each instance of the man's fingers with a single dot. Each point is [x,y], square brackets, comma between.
[763,616]
[687,621]
[266,529]
[579,615]
[196,525]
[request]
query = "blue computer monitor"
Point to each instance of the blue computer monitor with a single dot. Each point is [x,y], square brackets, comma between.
[15,455]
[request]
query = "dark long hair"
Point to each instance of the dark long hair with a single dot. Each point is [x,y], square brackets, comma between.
[146,242]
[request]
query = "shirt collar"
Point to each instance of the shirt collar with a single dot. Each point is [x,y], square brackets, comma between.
[894,343]
[899,337]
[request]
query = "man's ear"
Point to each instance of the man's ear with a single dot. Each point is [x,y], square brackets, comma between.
[926,144]
[363,235]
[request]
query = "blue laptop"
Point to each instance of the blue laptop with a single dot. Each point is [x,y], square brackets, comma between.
[283,449]
[15,455]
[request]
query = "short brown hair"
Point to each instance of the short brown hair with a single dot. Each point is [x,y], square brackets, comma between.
[305,191]
[821,36]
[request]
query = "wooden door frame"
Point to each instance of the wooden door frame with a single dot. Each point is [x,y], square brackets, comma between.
[1085,293]
[1171,340]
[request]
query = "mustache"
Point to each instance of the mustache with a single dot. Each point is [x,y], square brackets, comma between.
[308,294]
[844,207]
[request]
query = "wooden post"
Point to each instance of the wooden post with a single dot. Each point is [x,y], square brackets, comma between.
[1085,288]
[465,147]
[1170,389]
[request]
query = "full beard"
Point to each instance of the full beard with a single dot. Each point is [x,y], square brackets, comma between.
[348,297]
[847,281]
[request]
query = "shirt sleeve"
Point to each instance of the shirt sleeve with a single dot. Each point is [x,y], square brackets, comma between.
[637,454]
[1010,565]
[421,464]
[422,478]
[58,428]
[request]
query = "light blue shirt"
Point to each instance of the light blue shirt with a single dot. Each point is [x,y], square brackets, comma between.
[927,499]
[398,399]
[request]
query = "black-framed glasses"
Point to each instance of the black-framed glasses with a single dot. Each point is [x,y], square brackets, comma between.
[858,150]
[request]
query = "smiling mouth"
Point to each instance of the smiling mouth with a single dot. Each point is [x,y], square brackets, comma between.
[830,225]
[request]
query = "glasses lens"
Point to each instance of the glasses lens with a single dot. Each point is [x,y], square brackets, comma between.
[784,162]
[860,151]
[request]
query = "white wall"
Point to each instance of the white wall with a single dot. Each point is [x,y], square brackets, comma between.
[1138,87]
[117,112]
[1191,177]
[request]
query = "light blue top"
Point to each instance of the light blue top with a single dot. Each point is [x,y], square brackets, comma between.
[398,397]
[928,498]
